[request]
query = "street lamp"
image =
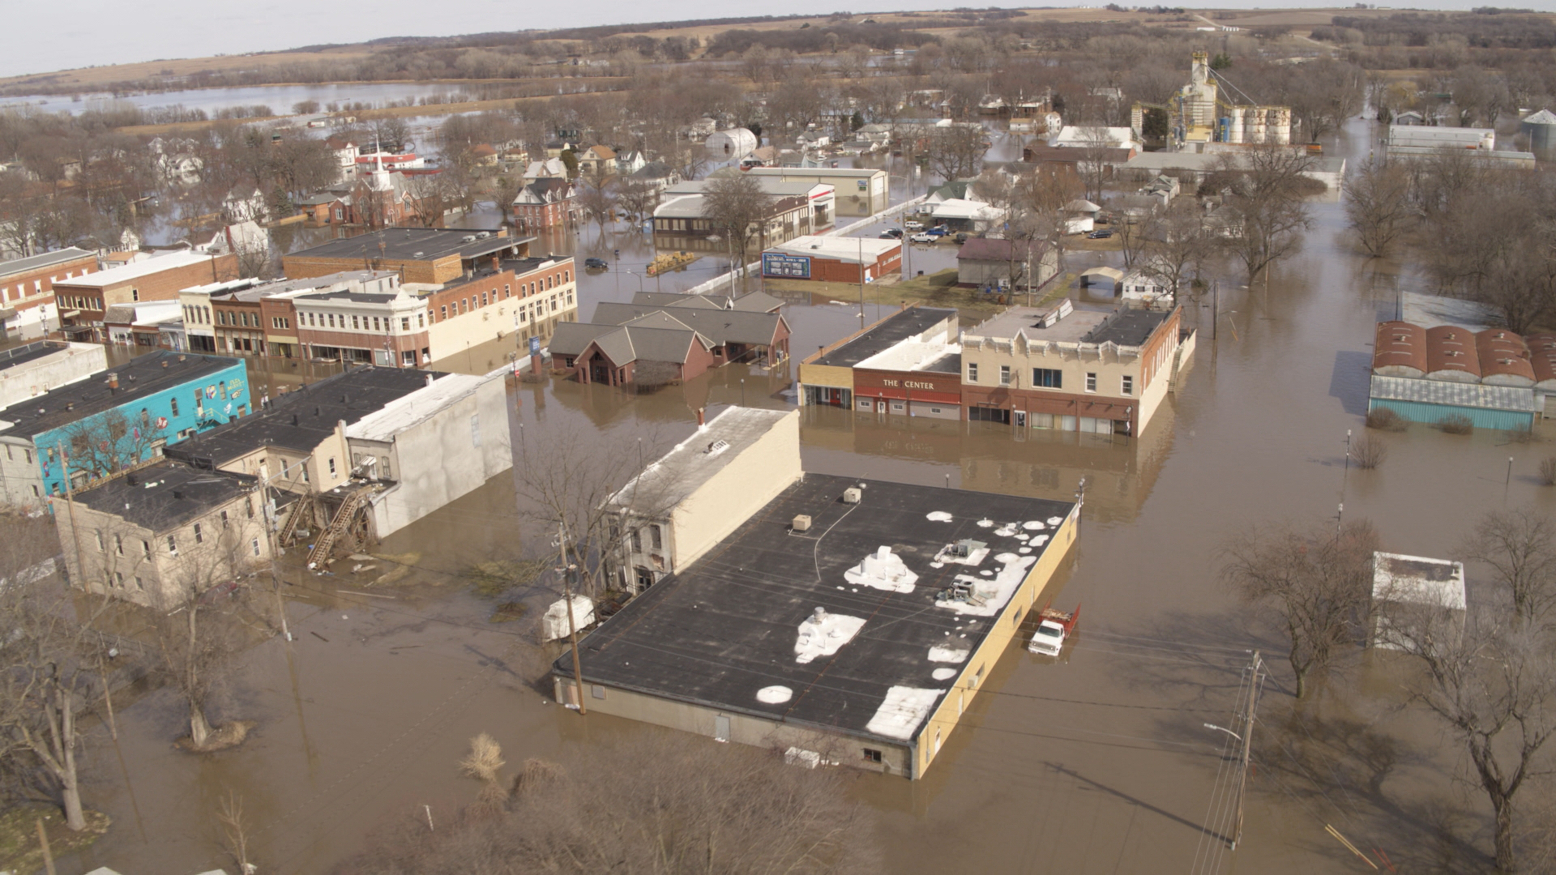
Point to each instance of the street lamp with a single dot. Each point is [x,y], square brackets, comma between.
[1223,729]
[639,278]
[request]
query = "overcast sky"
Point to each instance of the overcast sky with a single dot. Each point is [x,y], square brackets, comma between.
[95,32]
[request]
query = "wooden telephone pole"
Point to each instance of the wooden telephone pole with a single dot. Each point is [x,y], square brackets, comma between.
[1253,703]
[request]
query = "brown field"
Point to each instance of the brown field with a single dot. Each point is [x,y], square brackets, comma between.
[91,77]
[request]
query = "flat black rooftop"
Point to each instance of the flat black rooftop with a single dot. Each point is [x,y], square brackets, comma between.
[29,352]
[885,334]
[727,626]
[166,495]
[141,376]
[950,363]
[413,244]
[299,420]
[1127,327]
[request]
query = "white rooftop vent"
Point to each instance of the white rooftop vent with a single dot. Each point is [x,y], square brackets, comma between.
[852,495]
[484,234]
[417,254]
[717,447]
[468,238]
[801,523]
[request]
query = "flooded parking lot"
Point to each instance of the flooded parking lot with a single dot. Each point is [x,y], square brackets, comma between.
[1100,763]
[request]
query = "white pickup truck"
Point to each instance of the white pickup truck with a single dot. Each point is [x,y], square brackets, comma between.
[1053,627]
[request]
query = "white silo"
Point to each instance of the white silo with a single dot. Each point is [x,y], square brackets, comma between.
[1540,128]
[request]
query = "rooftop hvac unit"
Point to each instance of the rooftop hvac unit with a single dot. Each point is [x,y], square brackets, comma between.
[851,495]
[801,523]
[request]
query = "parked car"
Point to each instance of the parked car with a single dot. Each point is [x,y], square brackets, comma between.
[938,231]
[595,264]
[913,225]
[961,237]
[922,237]
[891,234]
[1101,234]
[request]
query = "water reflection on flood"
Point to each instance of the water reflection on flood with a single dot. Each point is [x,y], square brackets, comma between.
[1098,763]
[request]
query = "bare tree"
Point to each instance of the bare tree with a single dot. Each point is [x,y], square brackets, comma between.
[637,198]
[1267,204]
[1095,148]
[736,206]
[954,152]
[659,805]
[235,830]
[1377,202]
[597,195]
[206,624]
[1520,547]
[50,662]
[1316,583]
[565,479]
[100,445]
[1177,245]
[1494,685]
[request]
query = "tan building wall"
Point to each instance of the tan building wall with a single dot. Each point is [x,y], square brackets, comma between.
[511,303]
[909,759]
[758,475]
[749,729]
[134,563]
[1006,627]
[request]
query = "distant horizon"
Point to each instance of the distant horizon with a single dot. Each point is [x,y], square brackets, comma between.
[97,33]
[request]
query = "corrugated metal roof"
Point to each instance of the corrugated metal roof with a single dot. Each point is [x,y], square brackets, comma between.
[1399,350]
[1514,398]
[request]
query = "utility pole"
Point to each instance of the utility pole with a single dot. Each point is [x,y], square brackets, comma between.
[1253,702]
[1215,309]
[861,282]
[270,538]
[572,623]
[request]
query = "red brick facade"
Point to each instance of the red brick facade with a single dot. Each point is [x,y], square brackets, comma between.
[33,288]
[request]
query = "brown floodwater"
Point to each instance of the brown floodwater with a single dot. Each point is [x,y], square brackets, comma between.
[1100,763]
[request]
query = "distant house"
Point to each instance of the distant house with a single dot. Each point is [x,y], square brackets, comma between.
[326,207]
[241,205]
[630,161]
[597,161]
[660,174]
[1147,287]
[987,262]
[484,155]
[545,203]
[651,342]
[551,168]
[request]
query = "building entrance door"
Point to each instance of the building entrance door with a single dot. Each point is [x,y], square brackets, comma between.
[1021,419]
[880,405]
[721,728]
[599,372]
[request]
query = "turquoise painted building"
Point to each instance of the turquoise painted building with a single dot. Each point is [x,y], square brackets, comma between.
[114,419]
[1506,408]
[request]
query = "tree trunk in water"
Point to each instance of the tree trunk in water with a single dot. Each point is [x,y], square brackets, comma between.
[199,727]
[69,787]
[1506,863]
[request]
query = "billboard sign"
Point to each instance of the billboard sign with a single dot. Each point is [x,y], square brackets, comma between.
[782,266]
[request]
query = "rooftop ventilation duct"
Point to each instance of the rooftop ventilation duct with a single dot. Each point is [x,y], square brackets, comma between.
[852,495]
[801,523]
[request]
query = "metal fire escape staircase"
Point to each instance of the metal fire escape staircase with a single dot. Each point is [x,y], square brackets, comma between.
[338,526]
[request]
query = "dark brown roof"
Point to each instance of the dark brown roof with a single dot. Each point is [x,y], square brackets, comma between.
[1450,350]
[1542,357]
[1504,358]
[1399,350]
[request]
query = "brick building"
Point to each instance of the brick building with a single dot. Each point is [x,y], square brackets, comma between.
[545,203]
[420,255]
[833,259]
[84,300]
[1072,370]
[794,209]
[27,306]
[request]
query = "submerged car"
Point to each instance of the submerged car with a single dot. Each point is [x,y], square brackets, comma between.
[891,234]
[595,264]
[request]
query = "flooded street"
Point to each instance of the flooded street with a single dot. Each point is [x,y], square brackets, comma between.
[1097,764]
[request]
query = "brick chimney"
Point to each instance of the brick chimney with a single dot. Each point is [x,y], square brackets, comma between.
[113,381]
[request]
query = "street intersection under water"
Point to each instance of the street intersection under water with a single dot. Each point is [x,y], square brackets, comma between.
[1099,763]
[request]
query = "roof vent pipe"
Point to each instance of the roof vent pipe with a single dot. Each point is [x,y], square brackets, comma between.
[429,379]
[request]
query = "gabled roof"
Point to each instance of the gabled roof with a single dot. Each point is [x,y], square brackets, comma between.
[718,326]
[545,190]
[753,302]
